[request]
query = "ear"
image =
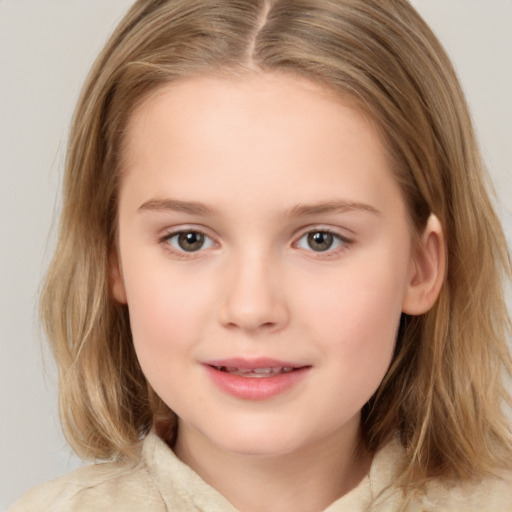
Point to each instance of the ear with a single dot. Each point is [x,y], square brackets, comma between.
[117,287]
[427,269]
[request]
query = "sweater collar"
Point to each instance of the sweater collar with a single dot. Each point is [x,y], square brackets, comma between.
[182,487]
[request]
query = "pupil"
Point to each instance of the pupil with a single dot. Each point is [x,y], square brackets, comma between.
[320,241]
[191,241]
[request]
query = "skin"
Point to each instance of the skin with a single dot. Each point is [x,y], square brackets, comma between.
[260,153]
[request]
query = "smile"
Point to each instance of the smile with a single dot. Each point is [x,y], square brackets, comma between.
[260,379]
[255,372]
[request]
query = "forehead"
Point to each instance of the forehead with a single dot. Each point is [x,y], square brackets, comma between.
[252,135]
[276,100]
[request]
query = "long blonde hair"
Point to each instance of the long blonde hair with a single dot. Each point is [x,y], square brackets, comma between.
[444,391]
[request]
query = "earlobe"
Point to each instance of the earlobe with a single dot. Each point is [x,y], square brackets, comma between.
[427,270]
[117,287]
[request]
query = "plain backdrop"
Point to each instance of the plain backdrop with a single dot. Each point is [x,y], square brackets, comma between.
[46,49]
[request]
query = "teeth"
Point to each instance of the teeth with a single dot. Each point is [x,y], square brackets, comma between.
[266,371]
[254,372]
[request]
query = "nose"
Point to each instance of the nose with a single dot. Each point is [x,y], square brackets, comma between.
[254,297]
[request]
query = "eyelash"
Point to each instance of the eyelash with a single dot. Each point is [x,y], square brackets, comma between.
[344,242]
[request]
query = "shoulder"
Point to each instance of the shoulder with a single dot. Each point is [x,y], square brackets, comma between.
[487,495]
[100,487]
[484,495]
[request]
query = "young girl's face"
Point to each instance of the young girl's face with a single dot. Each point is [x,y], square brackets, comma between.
[265,256]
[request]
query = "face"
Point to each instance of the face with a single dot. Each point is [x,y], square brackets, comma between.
[264,253]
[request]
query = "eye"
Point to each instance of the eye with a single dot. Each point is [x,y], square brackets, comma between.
[189,241]
[322,241]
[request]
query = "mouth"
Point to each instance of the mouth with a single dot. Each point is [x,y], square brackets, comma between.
[257,373]
[256,379]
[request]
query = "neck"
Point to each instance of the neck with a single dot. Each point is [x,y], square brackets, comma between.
[305,480]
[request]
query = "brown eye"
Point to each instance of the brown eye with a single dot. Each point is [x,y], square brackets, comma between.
[189,241]
[323,241]
[320,241]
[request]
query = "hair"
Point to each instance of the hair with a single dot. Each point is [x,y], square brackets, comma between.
[444,392]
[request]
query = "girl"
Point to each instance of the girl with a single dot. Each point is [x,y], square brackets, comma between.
[278,282]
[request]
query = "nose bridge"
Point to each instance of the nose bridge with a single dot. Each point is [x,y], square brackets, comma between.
[254,296]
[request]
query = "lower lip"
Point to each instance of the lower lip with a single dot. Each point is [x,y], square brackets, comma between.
[256,388]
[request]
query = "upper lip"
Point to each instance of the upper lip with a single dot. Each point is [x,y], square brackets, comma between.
[251,364]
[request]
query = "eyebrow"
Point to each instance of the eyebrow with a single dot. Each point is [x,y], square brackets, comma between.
[191,207]
[299,210]
[338,206]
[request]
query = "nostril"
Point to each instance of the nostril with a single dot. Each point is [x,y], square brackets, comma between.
[248,326]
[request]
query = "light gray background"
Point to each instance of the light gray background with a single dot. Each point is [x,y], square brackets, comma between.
[46,48]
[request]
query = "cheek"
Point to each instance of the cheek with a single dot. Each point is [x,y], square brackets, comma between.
[164,331]
[166,312]
[355,322]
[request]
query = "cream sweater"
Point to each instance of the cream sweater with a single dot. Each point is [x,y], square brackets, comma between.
[160,482]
